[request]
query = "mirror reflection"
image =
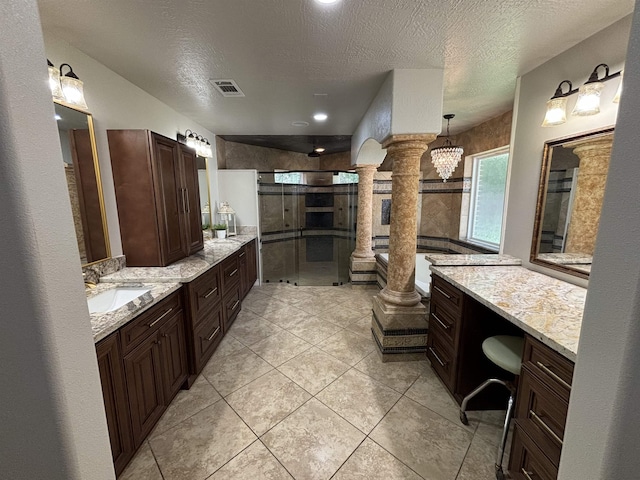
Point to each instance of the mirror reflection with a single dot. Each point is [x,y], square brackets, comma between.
[572,185]
[82,173]
[203,185]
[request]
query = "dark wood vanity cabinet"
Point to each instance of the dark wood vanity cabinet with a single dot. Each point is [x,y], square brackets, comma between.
[156,184]
[116,402]
[247,260]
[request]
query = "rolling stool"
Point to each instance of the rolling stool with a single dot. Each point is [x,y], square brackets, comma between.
[506,352]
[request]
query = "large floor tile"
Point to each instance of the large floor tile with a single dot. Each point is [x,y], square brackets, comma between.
[341,315]
[317,305]
[491,425]
[266,401]
[255,463]
[372,462]
[397,375]
[429,391]
[347,346]
[142,467]
[249,328]
[200,445]
[260,304]
[229,373]
[362,326]
[313,442]
[313,370]
[314,330]
[431,445]
[286,316]
[228,346]
[187,403]
[479,462]
[280,347]
[374,400]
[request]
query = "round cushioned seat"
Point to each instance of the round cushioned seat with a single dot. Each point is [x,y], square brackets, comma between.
[505,351]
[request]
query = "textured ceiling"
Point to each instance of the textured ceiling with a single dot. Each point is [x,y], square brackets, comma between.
[282,52]
[296,143]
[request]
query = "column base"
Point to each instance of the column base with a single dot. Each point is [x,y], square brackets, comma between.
[399,332]
[362,271]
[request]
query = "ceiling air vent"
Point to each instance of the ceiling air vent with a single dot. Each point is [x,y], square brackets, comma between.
[228,88]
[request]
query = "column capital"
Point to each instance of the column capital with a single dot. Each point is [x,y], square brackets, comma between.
[366,167]
[409,142]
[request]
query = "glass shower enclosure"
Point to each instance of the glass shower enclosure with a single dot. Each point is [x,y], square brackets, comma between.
[307,226]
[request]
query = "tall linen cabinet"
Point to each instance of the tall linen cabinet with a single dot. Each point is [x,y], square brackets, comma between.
[156,185]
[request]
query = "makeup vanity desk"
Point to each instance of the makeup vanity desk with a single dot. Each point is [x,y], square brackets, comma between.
[494,296]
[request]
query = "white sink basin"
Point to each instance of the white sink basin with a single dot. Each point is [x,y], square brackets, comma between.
[115,298]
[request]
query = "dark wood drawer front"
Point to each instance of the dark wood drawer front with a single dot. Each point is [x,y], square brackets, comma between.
[542,414]
[232,307]
[447,296]
[527,462]
[205,291]
[149,322]
[441,357]
[230,274]
[207,337]
[441,320]
[551,367]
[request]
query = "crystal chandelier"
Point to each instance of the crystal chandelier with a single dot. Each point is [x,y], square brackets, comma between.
[446,157]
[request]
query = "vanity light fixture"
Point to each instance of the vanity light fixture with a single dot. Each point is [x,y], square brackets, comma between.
[72,87]
[54,81]
[200,144]
[446,157]
[616,99]
[557,105]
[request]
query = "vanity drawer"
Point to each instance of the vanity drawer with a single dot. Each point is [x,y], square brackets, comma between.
[550,367]
[204,292]
[231,305]
[542,414]
[526,461]
[443,324]
[441,357]
[230,274]
[207,337]
[148,322]
[446,295]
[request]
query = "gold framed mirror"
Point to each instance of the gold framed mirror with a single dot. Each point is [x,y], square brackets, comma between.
[82,172]
[572,184]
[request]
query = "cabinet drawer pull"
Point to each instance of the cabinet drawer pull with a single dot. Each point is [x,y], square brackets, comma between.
[233,273]
[235,305]
[211,292]
[435,355]
[160,317]
[546,427]
[242,254]
[442,324]
[442,292]
[215,332]
[548,371]
[527,474]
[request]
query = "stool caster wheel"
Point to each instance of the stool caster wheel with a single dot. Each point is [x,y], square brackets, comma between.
[463,418]
[499,473]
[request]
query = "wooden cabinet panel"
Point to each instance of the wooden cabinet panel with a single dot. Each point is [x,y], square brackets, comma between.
[553,369]
[442,360]
[448,296]
[231,305]
[251,267]
[204,292]
[207,337]
[527,460]
[174,356]
[144,386]
[191,192]
[443,324]
[115,400]
[230,274]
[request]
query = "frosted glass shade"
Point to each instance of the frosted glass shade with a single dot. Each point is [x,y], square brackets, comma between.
[54,83]
[588,102]
[446,159]
[616,99]
[73,91]
[556,112]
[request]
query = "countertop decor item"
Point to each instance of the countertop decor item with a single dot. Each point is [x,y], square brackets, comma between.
[221,230]
[228,216]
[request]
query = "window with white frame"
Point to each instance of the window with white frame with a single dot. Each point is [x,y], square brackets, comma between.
[282,176]
[488,185]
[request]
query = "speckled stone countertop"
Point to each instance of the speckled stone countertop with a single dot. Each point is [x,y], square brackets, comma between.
[544,307]
[443,259]
[184,270]
[103,324]
[566,258]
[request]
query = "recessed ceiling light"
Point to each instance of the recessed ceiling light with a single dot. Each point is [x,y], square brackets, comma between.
[319,149]
[300,124]
[320,117]
[58,117]
[327,1]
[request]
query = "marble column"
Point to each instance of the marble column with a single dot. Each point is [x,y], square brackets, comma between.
[362,265]
[399,320]
[587,204]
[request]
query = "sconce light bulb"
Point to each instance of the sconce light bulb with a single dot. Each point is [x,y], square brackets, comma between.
[556,112]
[588,102]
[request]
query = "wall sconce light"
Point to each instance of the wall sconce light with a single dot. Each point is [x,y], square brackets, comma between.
[67,87]
[446,157]
[588,102]
[616,99]
[200,144]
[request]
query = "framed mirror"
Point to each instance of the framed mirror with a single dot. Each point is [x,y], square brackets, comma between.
[572,183]
[203,184]
[82,171]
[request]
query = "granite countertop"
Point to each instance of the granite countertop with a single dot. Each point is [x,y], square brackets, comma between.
[103,324]
[546,308]
[185,270]
[443,259]
[566,258]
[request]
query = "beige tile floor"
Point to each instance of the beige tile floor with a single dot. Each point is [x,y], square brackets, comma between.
[296,390]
